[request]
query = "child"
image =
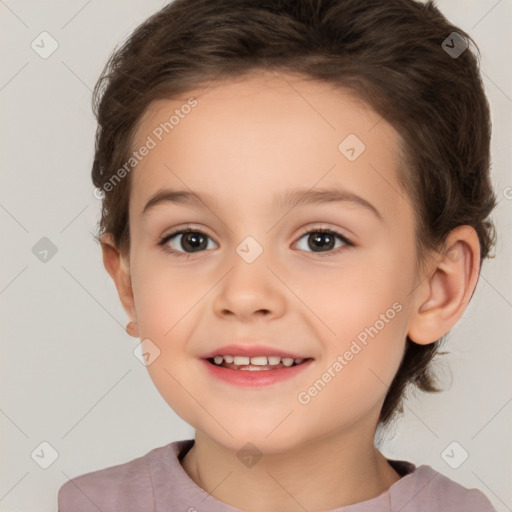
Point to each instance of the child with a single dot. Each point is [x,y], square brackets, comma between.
[295,210]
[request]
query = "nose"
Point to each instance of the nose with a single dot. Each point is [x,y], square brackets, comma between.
[250,291]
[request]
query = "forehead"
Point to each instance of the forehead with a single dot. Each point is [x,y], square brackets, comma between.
[244,138]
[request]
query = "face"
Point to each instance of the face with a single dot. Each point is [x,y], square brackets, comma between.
[328,280]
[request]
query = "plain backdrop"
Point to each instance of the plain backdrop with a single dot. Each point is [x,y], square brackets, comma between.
[73,396]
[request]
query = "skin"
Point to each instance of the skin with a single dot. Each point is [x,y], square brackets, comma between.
[245,141]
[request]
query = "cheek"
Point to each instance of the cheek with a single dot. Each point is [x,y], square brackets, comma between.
[371,289]
[364,315]
[163,295]
[357,369]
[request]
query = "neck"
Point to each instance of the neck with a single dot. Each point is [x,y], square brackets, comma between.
[335,471]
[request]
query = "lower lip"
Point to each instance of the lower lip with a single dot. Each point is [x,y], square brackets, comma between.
[255,377]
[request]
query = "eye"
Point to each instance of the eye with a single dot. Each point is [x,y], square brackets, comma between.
[188,240]
[324,240]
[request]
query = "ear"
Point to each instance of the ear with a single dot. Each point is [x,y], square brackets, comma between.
[118,267]
[441,298]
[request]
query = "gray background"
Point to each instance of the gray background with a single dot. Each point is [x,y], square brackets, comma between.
[69,377]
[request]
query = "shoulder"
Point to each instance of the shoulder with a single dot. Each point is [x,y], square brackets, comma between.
[425,489]
[126,486]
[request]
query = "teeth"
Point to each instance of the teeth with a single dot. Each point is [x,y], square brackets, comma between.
[257,360]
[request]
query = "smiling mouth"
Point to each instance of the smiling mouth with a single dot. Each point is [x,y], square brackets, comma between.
[258,363]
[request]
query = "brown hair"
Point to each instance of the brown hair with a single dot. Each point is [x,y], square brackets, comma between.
[388,52]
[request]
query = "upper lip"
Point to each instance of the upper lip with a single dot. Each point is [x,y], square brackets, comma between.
[251,350]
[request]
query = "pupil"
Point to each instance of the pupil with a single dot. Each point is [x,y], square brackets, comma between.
[198,241]
[319,238]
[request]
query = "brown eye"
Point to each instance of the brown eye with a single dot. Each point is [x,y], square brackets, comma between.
[186,241]
[322,240]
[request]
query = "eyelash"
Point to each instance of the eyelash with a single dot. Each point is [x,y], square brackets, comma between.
[190,229]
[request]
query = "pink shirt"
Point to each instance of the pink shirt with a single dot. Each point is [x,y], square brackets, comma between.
[157,482]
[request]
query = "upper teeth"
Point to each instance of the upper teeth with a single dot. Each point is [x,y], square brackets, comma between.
[257,361]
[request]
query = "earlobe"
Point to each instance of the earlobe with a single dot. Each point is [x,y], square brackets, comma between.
[442,297]
[119,270]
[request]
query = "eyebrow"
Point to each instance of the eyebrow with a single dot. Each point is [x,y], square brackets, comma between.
[290,199]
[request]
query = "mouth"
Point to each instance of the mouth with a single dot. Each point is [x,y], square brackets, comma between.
[256,363]
[255,372]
